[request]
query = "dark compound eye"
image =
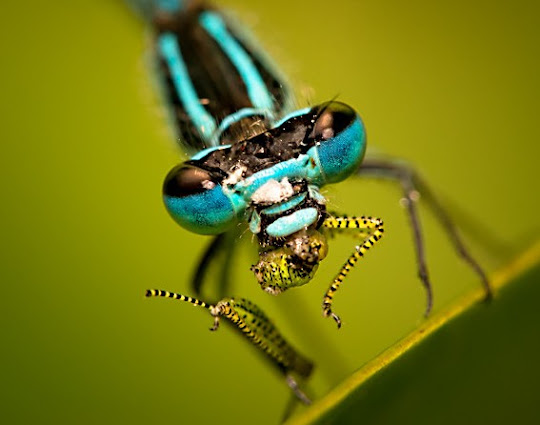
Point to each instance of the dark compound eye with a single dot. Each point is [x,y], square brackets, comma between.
[333,118]
[340,140]
[186,179]
[196,201]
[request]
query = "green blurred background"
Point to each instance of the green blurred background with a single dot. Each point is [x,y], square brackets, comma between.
[452,87]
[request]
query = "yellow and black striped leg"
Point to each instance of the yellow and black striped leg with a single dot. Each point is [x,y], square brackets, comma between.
[370,228]
[191,300]
[413,186]
[257,328]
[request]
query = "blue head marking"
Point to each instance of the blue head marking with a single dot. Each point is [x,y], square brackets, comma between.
[292,223]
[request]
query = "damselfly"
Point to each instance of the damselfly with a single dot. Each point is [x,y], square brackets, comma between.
[256,161]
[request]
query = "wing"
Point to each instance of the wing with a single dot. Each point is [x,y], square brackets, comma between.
[219,86]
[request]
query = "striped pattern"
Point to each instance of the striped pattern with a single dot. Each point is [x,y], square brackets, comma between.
[254,325]
[173,295]
[374,227]
[258,328]
[183,85]
[220,88]
[257,91]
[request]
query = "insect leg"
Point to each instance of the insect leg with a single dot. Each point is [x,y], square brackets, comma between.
[374,229]
[251,321]
[221,244]
[229,247]
[258,328]
[413,186]
[207,258]
[297,391]
[191,300]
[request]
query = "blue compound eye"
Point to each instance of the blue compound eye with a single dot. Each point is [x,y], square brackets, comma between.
[341,141]
[195,200]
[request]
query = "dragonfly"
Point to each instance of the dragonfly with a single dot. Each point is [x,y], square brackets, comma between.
[257,162]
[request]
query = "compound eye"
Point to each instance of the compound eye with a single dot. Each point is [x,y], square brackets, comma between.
[186,180]
[340,138]
[334,118]
[195,200]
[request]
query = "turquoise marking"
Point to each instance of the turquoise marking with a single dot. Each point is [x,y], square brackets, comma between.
[204,152]
[331,161]
[237,200]
[258,94]
[341,155]
[327,162]
[289,224]
[294,167]
[171,6]
[292,115]
[255,223]
[170,50]
[206,213]
[237,116]
[285,205]
[303,167]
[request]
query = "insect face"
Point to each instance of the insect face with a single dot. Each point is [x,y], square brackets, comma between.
[293,264]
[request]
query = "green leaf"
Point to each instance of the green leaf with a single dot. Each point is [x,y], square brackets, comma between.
[473,362]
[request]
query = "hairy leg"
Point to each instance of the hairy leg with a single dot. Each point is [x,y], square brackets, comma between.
[371,230]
